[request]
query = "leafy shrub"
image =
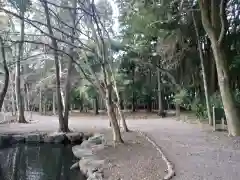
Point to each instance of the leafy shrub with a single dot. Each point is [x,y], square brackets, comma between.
[199,108]
[216,100]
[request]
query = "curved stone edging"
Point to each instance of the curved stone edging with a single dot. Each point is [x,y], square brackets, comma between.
[89,164]
[41,137]
[170,170]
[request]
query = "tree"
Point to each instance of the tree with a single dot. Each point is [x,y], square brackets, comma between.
[216,29]
[6,72]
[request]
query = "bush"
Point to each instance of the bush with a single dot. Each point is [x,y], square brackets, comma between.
[216,100]
[199,108]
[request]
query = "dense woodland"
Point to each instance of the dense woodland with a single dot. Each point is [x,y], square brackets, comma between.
[68,54]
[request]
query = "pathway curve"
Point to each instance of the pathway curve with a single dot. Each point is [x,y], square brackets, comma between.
[196,154]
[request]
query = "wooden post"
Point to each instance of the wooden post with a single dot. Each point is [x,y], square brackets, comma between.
[214,119]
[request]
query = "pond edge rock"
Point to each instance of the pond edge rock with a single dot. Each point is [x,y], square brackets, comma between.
[73,138]
[89,164]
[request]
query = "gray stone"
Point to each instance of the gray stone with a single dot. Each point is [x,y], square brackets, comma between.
[75,166]
[87,144]
[17,138]
[97,139]
[89,165]
[33,138]
[54,138]
[80,152]
[74,137]
[98,147]
[95,176]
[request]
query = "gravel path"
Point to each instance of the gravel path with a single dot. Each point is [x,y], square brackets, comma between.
[197,154]
[136,159]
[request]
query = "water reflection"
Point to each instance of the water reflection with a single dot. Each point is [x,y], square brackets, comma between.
[42,162]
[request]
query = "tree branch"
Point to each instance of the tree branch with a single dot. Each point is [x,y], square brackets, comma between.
[43,32]
[223,18]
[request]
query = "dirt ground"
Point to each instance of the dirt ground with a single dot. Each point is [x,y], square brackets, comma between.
[137,159]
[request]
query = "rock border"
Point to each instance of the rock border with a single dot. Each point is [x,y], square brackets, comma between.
[72,138]
[89,165]
[170,171]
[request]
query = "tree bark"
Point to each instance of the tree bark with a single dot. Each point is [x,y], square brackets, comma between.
[117,138]
[220,56]
[40,101]
[133,93]
[6,79]
[96,107]
[206,92]
[122,117]
[160,105]
[62,126]
[20,105]
[13,95]
[54,104]
[69,70]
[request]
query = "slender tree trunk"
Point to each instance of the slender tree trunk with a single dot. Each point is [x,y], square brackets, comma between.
[133,93]
[96,107]
[61,89]
[6,79]
[54,104]
[28,98]
[122,117]
[21,118]
[220,56]
[69,71]
[40,101]
[117,138]
[178,111]
[56,61]
[44,106]
[13,96]
[203,70]
[25,97]
[160,105]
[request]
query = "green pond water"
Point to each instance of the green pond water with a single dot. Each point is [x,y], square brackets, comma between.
[38,162]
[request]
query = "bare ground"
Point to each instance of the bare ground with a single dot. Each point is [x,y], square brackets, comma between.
[196,152]
[136,159]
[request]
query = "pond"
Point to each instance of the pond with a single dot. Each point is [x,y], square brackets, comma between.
[38,162]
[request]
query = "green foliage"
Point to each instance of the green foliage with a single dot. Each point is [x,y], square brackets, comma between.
[199,108]
[22,5]
[180,96]
[216,100]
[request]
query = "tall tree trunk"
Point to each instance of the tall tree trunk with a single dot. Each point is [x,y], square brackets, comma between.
[206,92]
[133,92]
[149,96]
[160,104]
[54,104]
[13,95]
[25,97]
[56,62]
[61,89]
[20,105]
[69,70]
[40,100]
[122,117]
[117,138]
[220,56]
[96,107]
[6,71]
